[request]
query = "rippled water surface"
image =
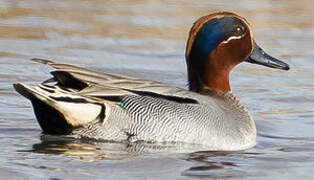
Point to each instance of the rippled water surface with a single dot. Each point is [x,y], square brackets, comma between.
[147,39]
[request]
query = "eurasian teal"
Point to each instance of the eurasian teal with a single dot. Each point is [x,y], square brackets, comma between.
[93,105]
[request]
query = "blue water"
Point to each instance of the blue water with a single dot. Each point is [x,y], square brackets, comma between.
[146,39]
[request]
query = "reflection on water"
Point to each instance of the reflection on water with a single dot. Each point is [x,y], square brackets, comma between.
[84,151]
[146,38]
[96,150]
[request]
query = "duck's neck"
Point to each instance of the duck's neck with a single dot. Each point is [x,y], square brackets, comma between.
[214,78]
[217,81]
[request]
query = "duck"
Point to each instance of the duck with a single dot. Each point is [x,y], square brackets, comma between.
[86,104]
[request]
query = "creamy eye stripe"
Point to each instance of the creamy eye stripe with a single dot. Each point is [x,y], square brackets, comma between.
[231,38]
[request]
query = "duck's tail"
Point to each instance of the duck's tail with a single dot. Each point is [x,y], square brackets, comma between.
[59,111]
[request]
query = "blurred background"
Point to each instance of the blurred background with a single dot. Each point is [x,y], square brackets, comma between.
[146,39]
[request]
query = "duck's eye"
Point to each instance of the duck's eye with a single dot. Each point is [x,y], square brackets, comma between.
[238,30]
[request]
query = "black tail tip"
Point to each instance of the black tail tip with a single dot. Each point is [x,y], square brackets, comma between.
[21,89]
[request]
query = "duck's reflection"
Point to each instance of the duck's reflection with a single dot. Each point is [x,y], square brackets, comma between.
[82,149]
[204,163]
[105,149]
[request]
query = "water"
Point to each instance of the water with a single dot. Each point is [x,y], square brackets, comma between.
[147,39]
